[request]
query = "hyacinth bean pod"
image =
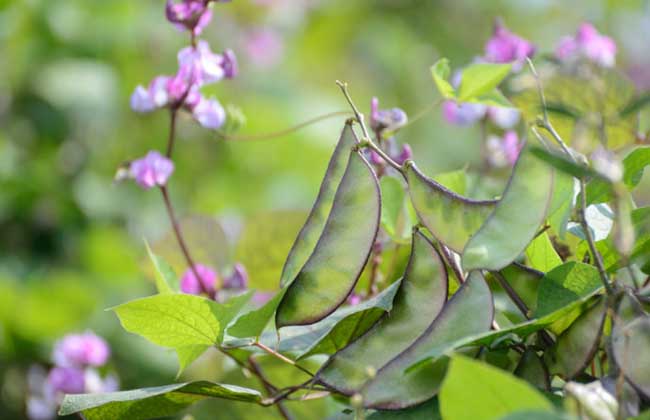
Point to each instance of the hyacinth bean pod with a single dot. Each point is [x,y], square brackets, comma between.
[451,218]
[333,268]
[419,300]
[516,218]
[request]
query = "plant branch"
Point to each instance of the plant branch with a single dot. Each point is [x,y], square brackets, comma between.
[281,357]
[367,140]
[284,132]
[173,116]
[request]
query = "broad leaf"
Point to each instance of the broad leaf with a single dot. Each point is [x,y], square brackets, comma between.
[578,344]
[470,311]
[516,218]
[180,321]
[541,254]
[148,403]
[565,284]
[166,279]
[308,237]
[332,270]
[481,78]
[494,393]
[440,72]
[455,181]
[532,369]
[418,302]
[451,218]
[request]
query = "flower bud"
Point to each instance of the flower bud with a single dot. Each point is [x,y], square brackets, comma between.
[79,350]
[67,380]
[207,281]
[209,113]
[386,119]
[229,64]
[506,47]
[193,15]
[238,280]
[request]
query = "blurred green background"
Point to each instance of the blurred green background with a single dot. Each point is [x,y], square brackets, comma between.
[71,240]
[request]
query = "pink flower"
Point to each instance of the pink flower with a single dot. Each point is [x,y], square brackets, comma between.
[507,47]
[209,113]
[504,118]
[67,380]
[238,280]
[503,151]
[264,47]
[78,350]
[207,281]
[193,15]
[163,91]
[152,170]
[230,66]
[589,44]
[386,119]
[462,114]
[205,66]
[354,299]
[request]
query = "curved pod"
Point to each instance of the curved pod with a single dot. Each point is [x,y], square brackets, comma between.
[470,311]
[310,232]
[421,296]
[333,268]
[516,219]
[450,217]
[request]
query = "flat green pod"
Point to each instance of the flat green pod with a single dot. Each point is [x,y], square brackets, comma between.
[421,296]
[516,219]
[578,344]
[469,312]
[532,369]
[310,233]
[333,268]
[451,218]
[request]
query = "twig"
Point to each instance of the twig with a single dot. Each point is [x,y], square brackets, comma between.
[367,140]
[173,116]
[281,357]
[284,132]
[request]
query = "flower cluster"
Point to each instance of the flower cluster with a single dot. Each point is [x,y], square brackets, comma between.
[507,47]
[385,122]
[197,66]
[210,283]
[76,358]
[587,44]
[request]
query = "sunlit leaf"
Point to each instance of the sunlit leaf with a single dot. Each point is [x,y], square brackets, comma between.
[481,78]
[147,403]
[565,284]
[166,279]
[516,218]
[451,218]
[418,302]
[494,393]
[332,270]
[541,254]
[440,72]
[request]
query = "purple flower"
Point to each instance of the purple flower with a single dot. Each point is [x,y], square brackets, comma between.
[205,66]
[405,154]
[207,277]
[462,114]
[507,47]
[504,118]
[238,280]
[354,299]
[152,170]
[163,91]
[386,119]
[587,43]
[193,15]
[503,151]
[209,113]
[79,350]
[230,66]
[67,380]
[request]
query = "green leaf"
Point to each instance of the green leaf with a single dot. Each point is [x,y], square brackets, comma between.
[634,164]
[178,320]
[541,254]
[635,105]
[494,393]
[253,323]
[451,218]
[147,403]
[537,415]
[532,369]
[565,284]
[494,98]
[563,203]
[332,270]
[308,237]
[418,302]
[337,330]
[394,216]
[577,345]
[470,311]
[440,72]
[426,411]
[516,218]
[630,343]
[564,164]
[166,280]
[480,79]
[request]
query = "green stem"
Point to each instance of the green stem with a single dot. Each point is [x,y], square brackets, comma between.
[282,357]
